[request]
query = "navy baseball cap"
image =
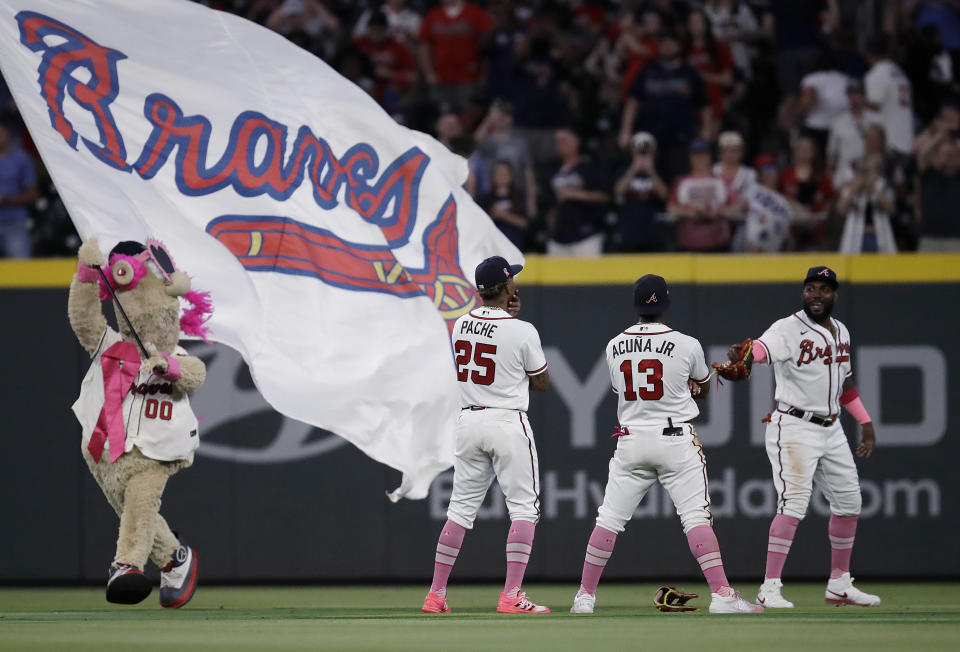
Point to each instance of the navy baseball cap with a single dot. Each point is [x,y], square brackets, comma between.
[822,273]
[495,270]
[650,295]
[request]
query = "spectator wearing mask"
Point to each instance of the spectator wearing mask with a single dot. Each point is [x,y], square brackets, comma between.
[866,203]
[939,189]
[670,99]
[505,205]
[394,69]
[845,142]
[640,194]
[806,185]
[737,177]
[18,190]
[576,222]
[823,98]
[403,23]
[497,140]
[734,23]
[769,214]
[713,61]
[451,37]
[701,205]
[889,94]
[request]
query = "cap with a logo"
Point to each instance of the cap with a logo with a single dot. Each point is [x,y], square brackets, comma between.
[650,295]
[495,270]
[822,273]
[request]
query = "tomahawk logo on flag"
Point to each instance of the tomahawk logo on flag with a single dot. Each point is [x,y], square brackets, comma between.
[338,246]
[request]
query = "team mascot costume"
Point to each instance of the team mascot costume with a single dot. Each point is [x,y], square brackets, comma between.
[138,428]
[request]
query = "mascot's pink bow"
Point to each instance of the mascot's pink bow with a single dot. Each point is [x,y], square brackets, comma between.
[120,363]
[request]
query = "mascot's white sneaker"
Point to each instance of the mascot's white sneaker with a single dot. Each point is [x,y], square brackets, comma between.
[732,604]
[126,584]
[583,603]
[770,597]
[842,591]
[178,580]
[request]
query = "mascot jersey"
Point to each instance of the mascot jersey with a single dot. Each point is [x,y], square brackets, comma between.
[159,423]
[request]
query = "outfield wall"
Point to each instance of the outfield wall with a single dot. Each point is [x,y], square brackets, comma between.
[272,499]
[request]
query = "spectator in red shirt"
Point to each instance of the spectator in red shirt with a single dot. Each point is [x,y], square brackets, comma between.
[711,58]
[810,190]
[702,206]
[393,65]
[451,36]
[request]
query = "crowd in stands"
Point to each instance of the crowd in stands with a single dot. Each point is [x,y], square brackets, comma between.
[596,126]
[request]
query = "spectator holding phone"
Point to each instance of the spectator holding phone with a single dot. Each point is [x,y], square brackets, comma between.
[640,194]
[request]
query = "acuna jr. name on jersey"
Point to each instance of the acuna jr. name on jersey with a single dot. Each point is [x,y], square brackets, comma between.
[642,345]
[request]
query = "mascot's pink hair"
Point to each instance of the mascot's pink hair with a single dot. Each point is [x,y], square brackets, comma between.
[192,321]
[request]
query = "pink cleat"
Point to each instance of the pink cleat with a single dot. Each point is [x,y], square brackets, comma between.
[732,604]
[517,603]
[434,604]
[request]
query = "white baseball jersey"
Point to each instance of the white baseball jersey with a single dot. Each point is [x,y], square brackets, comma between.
[494,354]
[810,363]
[650,365]
[887,86]
[159,423]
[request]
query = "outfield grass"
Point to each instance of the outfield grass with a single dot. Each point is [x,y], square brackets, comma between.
[912,617]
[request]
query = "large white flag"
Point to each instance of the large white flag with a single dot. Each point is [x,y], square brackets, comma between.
[337,245]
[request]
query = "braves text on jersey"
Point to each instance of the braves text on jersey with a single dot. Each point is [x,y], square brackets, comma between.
[157,421]
[810,363]
[650,365]
[494,354]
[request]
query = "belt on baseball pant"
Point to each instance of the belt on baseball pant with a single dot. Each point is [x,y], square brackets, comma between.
[808,416]
[669,431]
[473,407]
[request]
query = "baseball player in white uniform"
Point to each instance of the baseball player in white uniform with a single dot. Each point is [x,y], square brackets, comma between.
[498,359]
[810,354]
[656,372]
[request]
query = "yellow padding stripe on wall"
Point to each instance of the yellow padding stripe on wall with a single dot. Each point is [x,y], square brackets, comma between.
[617,269]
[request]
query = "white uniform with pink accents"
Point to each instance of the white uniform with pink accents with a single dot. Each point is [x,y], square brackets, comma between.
[494,354]
[160,424]
[810,364]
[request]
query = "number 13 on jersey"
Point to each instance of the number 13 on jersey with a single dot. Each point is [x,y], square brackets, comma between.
[650,375]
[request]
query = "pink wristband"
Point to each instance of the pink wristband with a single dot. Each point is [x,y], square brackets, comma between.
[850,399]
[86,274]
[759,351]
[173,368]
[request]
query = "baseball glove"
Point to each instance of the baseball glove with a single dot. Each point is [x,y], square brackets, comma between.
[670,598]
[738,369]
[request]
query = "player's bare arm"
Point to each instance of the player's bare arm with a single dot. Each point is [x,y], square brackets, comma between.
[698,391]
[868,437]
[540,382]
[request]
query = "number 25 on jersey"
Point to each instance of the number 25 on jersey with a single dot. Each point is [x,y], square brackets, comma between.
[486,368]
[650,375]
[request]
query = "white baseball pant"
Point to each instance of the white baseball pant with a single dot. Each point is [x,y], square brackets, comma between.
[494,443]
[645,456]
[801,454]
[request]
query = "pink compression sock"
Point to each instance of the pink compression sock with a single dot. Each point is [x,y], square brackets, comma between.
[599,549]
[519,545]
[706,550]
[842,531]
[778,545]
[448,547]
